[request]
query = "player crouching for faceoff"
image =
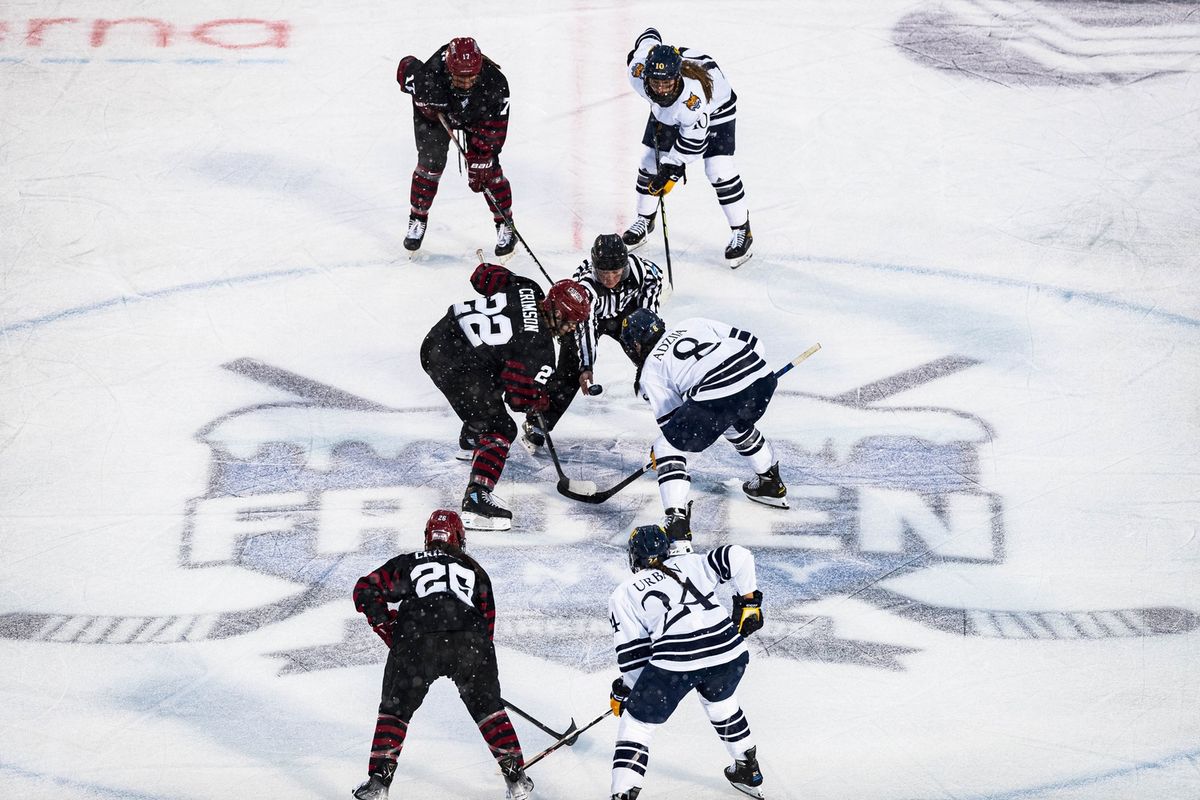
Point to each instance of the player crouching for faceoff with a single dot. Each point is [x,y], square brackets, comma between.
[499,349]
[672,636]
[703,379]
[443,626]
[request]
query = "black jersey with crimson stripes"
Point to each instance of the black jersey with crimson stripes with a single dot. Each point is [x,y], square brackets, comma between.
[437,590]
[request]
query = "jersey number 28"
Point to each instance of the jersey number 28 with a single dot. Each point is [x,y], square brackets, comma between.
[432,577]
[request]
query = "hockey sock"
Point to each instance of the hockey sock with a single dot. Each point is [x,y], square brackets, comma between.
[424,189]
[631,755]
[646,203]
[730,724]
[674,483]
[501,189]
[390,731]
[752,445]
[722,173]
[501,739]
[490,456]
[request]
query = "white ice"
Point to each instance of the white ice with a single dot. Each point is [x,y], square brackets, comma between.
[176,196]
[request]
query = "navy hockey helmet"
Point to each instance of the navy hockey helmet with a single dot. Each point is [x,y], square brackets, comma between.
[445,526]
[648,545]
[661,77]
[610,254]
[463,57]
[640,331]
[569,300]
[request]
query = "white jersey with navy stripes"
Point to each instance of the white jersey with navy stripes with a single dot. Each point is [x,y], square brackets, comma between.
[692,113]
[640,288]
[680,625]
[701,359]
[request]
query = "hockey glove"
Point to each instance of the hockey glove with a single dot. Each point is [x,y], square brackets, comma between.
[747,614]
[618,696]
[406,73]
[665,180]
[387,628]
[523,394]
[481,170]
[489,279]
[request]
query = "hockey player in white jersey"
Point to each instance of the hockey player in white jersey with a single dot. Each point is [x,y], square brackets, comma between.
[671,636]
[692,116]
[703,379]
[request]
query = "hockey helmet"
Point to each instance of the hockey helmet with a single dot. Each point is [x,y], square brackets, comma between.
[664,66]
[568,300]
[639,332]
[446,527]
[610,254]
[463,57]
[648,545]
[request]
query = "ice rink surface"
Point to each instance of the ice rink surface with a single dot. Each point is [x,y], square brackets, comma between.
[213,419]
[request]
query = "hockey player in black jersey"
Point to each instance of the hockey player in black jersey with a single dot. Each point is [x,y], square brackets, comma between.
[617,283]
[672,635]
[466,87]
[443,625]
[495,350]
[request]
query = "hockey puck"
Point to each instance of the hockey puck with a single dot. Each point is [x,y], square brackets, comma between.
[595,389]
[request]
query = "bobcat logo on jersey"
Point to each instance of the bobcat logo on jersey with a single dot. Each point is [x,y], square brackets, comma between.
[318,491]
[693,102]
[638,68]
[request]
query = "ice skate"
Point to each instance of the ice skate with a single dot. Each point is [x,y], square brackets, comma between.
[767,488]
[372,789]
[745,775]
[483,511]
[533,438]
[416,234]
[467,443]
[520,785]
[635,236]
[737,252]
[506,242]
[628,795]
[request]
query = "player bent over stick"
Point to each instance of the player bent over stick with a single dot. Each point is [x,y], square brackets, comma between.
[443,626]
[703,379]
[672,636]
[499,349]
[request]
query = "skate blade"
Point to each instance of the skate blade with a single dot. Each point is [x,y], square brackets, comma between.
[502,260]
[734,263]
[773,502]
[632,247]
[464,455]
[753,791]
[478,522]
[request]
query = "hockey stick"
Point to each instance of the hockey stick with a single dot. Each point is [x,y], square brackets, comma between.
[566,740]
[492,200]
[585,491]
[569,735]
[662,209]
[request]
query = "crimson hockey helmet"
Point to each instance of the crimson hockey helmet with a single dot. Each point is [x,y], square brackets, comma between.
[446,527]
[463,57]
[648,545]
[568,300]
[610,254]
[640,331]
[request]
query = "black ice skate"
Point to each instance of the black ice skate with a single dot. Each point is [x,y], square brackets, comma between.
[636,235]
[631,794]
[372,789]
[467,442]
[416,233]
[745,775]
[533,437]
[520,785]
[767,488]
[483,511]
[737,252]
[506,242]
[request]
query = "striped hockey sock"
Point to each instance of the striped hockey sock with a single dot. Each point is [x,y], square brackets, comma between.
[490,457]
[501,739]
[390,731]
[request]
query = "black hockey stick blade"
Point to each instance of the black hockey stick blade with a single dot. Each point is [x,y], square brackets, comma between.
[571,739]
[545,728]
[585,491]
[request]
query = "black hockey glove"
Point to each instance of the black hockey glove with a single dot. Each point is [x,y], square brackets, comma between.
[430,96]
[488,279]
[386,629]
[481,170]
[406,73]
[618,696]
[747,614]
[665,180]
